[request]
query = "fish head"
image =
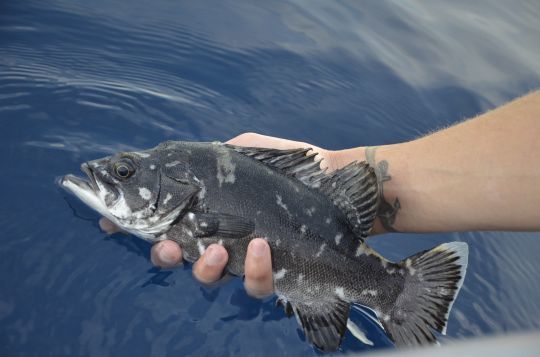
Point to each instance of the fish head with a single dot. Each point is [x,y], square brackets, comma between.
[142,193]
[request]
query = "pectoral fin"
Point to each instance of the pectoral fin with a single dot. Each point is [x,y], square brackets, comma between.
[207,224]
[324,324]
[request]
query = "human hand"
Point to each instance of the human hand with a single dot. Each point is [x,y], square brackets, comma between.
[209,268]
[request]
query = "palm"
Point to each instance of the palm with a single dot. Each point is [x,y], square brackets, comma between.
[258,140]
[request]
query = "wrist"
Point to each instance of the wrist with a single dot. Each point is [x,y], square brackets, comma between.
[390,165]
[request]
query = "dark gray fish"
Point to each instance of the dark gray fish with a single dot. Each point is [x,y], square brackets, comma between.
[316,224]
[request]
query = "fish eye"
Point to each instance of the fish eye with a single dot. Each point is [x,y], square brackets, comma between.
[124,169]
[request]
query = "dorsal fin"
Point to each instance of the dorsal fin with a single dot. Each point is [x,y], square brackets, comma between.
[296,163]
[355,191]
[353,188]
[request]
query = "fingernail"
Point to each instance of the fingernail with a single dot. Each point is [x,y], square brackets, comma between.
[212,257]
[167,259]
[258,248]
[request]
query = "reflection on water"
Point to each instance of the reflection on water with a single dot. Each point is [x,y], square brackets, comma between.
[82,79]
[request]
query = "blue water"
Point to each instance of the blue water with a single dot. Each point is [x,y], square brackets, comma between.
[82,79]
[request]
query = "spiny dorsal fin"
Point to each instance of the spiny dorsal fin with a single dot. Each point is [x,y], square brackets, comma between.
[353,188]
[298,163]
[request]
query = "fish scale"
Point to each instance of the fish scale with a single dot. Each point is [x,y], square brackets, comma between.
[316,224]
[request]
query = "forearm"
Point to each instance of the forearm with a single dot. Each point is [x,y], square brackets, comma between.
[482,174]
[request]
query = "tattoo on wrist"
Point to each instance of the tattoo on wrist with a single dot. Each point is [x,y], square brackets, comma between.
[387,212]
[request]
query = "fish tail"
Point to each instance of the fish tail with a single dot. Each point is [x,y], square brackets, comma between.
[433,279]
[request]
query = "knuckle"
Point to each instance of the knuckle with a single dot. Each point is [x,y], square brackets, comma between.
[249,135]
[258,277]
[257,293]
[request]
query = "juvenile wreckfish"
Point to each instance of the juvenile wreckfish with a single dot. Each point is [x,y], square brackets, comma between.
[316,225]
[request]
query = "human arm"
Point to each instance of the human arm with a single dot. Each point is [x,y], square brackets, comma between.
[482,174]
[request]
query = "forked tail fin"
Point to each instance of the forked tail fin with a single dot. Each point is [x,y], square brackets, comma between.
[432,281]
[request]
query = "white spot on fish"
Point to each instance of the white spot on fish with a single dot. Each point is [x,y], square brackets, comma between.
[280,274]
[152,167]
[220,242]
[338,238]
[204,224]
[280,203]
[370,292]
[328,220]
[168,196]
[303,229]
[201,247]
[162,237]
[339,292]
[360,250]
[202,191]
[385,317]
[145,193]
[172,164]
[300,278]
[321,250]
[443,291]
[408,264]
[310,211]
[225,167]
[278,242]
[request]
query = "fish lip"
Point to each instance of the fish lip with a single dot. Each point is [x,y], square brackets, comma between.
[82,183]
[92,182]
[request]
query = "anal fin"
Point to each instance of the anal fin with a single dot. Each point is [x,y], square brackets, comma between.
[324,323]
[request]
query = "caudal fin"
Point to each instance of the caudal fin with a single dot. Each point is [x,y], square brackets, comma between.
[432,281]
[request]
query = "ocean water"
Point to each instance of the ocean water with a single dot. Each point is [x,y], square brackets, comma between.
[82,79]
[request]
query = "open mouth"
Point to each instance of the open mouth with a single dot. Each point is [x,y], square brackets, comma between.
[95,193]
[74,183]
[92,182]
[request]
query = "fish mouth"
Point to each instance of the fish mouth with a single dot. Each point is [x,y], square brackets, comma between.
[90,190]
[92,182]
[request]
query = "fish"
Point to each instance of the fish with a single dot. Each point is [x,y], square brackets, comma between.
[315,222]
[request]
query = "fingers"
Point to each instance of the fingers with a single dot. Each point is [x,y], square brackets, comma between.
[209,268]
[166,254]
[107,226]
[258,269]
[258,140]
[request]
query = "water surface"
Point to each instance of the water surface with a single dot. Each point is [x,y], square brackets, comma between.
[82,79]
